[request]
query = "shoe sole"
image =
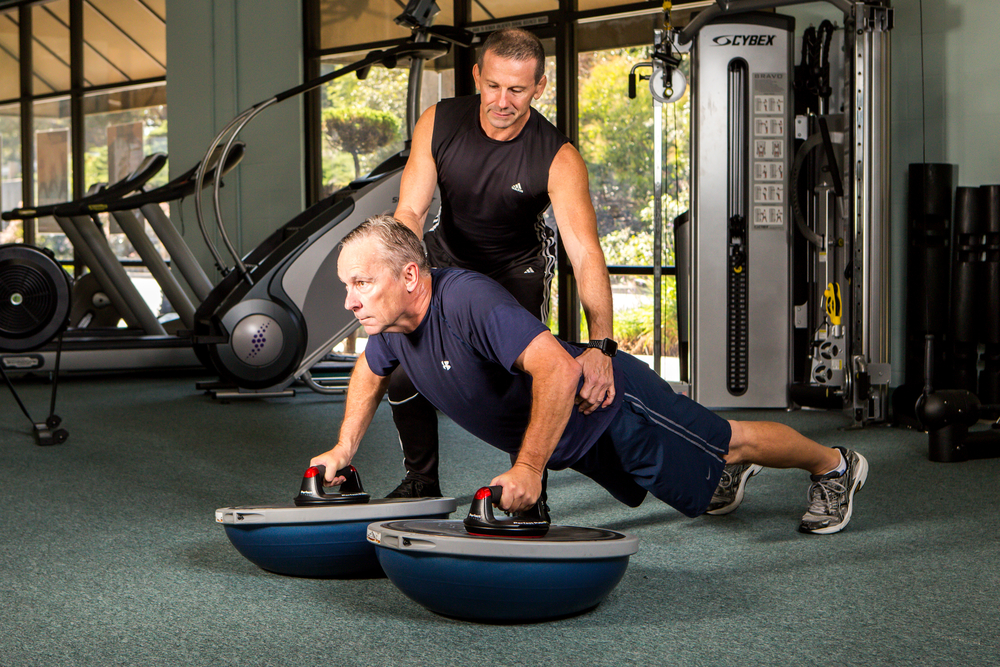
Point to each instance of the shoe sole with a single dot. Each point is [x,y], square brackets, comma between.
[731,507]
[859,483]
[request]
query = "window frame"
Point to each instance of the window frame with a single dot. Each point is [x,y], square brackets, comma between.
[76,93]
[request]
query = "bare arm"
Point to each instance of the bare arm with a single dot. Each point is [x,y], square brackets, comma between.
[569,190]
[554,379]
[364,392]
[416,190]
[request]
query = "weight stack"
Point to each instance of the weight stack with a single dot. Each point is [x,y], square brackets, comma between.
[989,377]
[966,290]
[928,266]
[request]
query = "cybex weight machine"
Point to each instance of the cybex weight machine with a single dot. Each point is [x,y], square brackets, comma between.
[785,266]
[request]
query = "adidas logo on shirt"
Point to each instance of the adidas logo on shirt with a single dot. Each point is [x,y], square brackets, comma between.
[529,270]
[445,364]
[517,187]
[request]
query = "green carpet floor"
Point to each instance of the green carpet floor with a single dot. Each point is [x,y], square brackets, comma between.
[109,553]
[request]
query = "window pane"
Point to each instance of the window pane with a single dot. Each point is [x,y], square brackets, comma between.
[487,10]
[10,63]
[123,41]
[10,170]
[364,122]
[349,23]
[52,170]
[121,128]
[144,108]
[633,303]
[50,53]
[616,141]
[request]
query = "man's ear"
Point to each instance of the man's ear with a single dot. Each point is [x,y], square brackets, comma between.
[540,87]
[411,276]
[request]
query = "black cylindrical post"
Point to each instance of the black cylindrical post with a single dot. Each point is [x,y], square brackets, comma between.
[928,266]
[989,378]
[966,293]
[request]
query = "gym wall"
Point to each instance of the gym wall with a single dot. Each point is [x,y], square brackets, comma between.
[225,56]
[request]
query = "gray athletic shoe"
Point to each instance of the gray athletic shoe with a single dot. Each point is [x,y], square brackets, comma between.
[831,496]
[729,494]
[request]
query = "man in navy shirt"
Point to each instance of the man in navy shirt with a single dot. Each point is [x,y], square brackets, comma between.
[492,367]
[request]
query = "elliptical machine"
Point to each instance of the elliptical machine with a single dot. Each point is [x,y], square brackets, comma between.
[278,310]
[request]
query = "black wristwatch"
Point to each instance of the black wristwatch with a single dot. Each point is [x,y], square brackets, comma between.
[607,346]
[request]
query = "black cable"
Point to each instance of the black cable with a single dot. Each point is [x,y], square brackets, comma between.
[16,397]
[55,378]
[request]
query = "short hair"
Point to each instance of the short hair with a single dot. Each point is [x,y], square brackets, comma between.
[398,244]
[515,44]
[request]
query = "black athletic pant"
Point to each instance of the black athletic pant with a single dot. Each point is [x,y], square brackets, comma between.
[414,416]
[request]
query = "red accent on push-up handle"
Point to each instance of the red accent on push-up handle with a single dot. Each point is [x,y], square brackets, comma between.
[483,493]
[312,472]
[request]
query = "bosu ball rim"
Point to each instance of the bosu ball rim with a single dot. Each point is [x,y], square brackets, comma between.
[321,541]
[501,579]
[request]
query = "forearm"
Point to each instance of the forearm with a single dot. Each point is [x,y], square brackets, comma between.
[595,295]
[411,218]
[419,179]
[571,204]
[364,392]
[552,400]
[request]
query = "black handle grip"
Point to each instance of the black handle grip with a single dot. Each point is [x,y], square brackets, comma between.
[312,493]
[481,521]
[496,493]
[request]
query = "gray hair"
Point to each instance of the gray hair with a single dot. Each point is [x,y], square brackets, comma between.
[398,245]
[515,44]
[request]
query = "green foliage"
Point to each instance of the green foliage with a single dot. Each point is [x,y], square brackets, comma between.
[616,139]
[95,165]
[338,168]
[382,92]
[359,131]
[633,327]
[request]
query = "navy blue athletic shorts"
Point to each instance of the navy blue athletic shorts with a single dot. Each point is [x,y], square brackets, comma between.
[660,442]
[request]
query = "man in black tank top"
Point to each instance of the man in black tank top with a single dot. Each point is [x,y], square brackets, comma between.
[499,164]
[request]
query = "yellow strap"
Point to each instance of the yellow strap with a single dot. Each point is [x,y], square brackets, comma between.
[834,307]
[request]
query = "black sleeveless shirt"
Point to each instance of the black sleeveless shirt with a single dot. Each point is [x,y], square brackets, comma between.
[493,193]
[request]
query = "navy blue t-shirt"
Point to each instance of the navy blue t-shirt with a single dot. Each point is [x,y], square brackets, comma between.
[461,358]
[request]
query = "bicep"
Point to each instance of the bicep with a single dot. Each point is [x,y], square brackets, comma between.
[544,356]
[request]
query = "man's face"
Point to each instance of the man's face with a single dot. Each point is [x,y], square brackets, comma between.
[507,88]
[375,294]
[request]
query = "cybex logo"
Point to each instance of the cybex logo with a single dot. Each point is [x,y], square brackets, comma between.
[744,40]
